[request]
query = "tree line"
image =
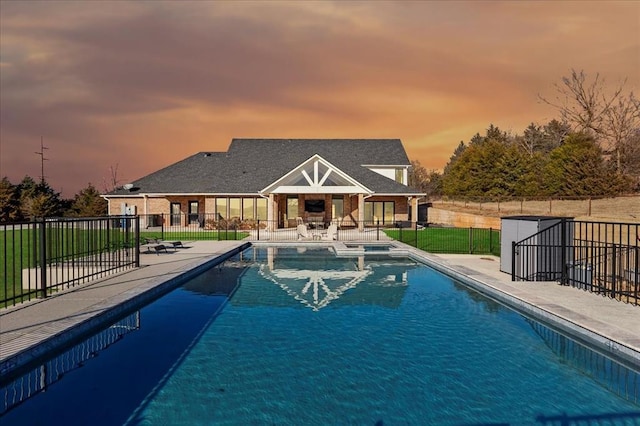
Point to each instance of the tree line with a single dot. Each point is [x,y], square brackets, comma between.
[28,200]
[592,149]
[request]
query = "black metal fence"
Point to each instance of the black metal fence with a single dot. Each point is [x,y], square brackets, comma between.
[448,240]
[46,256]
[212,227]
[601,257]
[196,227]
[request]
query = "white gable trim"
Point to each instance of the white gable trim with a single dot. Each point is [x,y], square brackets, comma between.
[316,182]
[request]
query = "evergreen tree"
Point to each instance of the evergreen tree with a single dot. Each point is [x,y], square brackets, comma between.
[495,134]
[554,134]
[88,203]
[457,153]
[38,200]
[577,168]
[9,203]
[532,139]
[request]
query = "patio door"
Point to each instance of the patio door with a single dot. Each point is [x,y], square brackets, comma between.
[193,212]
[175,214]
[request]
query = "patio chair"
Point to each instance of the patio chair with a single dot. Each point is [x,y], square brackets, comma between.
[174,244]
[331,234]
[303,233]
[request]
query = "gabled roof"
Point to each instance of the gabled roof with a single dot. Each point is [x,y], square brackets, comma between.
[251,164]
[316,175]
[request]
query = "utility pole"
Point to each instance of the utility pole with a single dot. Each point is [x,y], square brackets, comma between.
[42,159]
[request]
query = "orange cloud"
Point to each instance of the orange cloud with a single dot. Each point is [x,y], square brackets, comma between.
[145,84]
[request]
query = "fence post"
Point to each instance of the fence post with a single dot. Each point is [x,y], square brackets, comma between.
[43,257]
[614,264]
[491,240]
[378,231]
[162,226]
[513,260]
[563,253]
[136,242]
[470,240]
[258,229]
[636,273]
[415,227]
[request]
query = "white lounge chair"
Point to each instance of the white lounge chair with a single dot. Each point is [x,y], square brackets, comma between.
[331,234]
[303,233]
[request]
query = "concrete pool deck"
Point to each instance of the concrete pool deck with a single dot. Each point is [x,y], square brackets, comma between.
[30,330]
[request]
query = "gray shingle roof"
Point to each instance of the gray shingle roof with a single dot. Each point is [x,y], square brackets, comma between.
[251,164]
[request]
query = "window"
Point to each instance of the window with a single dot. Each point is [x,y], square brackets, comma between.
[261,209]
[389,212]
[400,176]
[337,207]
[241,208]
[234,207]
[193,211]
[292,207]
[247,208]
[175,214]
[221,208]
[383,211]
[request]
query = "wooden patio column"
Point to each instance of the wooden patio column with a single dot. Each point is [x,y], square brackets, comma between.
[414,209]
[360,212]
[270,215]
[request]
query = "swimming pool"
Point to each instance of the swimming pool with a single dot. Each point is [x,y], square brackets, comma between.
[286,336]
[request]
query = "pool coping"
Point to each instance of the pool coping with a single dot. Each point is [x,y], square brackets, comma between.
[618,344]
[61,334]
[614,343]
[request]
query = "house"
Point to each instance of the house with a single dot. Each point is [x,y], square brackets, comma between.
[276,181]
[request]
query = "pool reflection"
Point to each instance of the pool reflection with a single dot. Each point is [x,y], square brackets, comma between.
[314,278]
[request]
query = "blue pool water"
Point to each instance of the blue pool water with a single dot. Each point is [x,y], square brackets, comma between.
[286,336]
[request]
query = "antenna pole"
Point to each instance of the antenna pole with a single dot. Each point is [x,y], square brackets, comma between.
[42,159]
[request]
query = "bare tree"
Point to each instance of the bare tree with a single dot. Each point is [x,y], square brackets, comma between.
[609,116]
[428,181]
[583,104]
[111,183]
[621,124]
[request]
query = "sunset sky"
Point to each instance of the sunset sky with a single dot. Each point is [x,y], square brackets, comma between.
[141,85]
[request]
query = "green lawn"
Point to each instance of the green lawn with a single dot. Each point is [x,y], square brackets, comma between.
[21,249]
[450,240]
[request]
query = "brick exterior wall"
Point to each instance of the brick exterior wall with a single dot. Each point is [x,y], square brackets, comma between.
[206,205]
